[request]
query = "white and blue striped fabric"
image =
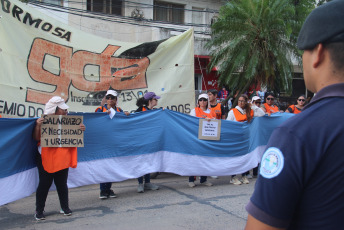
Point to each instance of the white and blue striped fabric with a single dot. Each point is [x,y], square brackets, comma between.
[127,147]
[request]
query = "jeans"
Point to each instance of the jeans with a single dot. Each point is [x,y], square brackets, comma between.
[45,181]
[105,186]
[203,179]
[147,179]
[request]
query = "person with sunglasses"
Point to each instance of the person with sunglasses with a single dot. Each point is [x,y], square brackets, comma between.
[269,107]
[298,107]
[145,103]
[301,175]
[53,162]
[256,106]
[111,102]
[202,111]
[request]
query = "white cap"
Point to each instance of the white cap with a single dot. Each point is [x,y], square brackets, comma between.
[54,102]
[203,95]
[255,98]
[111,92]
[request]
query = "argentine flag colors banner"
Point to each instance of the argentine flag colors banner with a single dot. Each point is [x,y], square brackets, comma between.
[41,57]
[127,147]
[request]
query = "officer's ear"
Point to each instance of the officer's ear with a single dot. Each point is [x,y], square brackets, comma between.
[318,55]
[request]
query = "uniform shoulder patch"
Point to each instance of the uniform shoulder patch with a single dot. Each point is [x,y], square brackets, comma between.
[272,163]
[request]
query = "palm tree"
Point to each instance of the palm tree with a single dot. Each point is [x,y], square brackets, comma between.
[252,43]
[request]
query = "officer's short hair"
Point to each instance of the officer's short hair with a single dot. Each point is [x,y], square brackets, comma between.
[336,51]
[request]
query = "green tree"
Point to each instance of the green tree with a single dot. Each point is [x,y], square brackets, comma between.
[253,42]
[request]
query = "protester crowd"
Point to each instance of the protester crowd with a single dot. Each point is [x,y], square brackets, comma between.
[53,163]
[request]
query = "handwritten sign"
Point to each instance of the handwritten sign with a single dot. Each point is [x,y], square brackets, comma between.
[62,131]
[209,130]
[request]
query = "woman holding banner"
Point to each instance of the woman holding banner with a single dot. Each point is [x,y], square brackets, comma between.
[53,162]
[269,107]
[301,101]
[202,111]
[145,103]
[111,103]
[241,113]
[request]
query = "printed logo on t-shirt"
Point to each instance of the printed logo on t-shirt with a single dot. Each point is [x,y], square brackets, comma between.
[272,163]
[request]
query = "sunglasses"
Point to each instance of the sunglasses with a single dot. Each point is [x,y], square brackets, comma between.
[202,99]
[110,97]
[301,99]
[270,98]
[258,102]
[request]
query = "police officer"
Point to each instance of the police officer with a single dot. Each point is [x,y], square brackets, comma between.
[301,181]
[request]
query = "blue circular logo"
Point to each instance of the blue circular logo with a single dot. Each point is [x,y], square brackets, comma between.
[272,163]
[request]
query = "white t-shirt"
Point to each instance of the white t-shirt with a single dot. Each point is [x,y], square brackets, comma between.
[258,112]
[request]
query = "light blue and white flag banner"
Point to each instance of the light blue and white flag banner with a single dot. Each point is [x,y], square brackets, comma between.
[127,147]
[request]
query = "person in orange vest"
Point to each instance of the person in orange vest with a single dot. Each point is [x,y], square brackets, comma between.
[301,100]
[202,111]
[53,163]
[269,107]
[145,103]
[241,113]
[111,102]
[218,108]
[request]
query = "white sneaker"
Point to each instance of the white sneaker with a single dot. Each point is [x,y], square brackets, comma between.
[245,180]
[235,181]
[249,176]
[192,184]
[151,186]
[140,188]
[214,177]
[207,184]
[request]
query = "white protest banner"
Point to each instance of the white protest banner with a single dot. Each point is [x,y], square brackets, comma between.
[209,130]
[41,57]
[62,131]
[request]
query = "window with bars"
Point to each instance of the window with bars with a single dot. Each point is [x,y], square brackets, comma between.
[105,6]
[168,12]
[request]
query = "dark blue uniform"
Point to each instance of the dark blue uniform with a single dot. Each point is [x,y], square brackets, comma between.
[301,181]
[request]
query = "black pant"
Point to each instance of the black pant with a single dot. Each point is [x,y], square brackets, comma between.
[255,171]
[45,181]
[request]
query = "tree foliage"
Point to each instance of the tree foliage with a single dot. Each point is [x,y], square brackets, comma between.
[253,42]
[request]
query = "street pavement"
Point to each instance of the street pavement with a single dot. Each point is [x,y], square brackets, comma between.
[174,206]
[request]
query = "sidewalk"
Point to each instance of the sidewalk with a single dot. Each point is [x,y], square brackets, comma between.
[174,206]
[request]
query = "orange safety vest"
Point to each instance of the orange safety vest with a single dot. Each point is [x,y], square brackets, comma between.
[295,109]
[200,113]
[55,159]
[144,109]
[0,116]
[271,109]
[239,116]
[217,110]
[104,109]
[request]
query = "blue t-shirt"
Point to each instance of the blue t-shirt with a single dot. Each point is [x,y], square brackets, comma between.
[301,177]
